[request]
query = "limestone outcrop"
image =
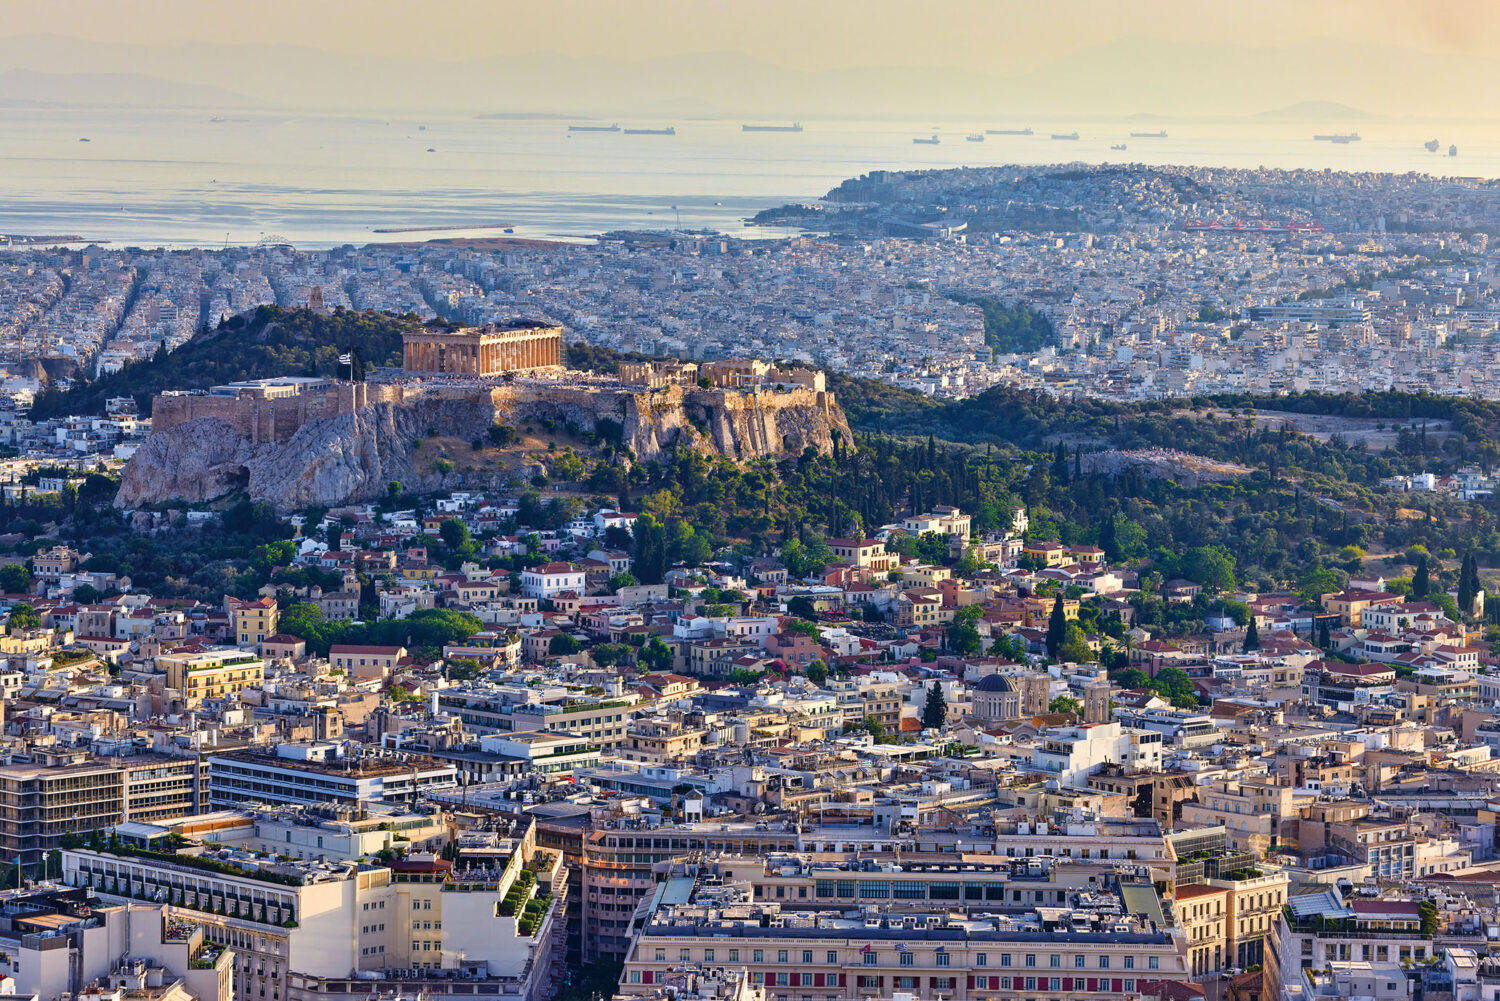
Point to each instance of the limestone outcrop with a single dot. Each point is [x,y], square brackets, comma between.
[353,455]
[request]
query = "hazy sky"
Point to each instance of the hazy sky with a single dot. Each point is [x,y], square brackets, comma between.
[989,34]
[1418,58]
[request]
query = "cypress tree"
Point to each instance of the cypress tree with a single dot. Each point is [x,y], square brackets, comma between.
[1420,579]
[1252,637]
[1107,537]
[935,712]
[1057,627]
[1468,584]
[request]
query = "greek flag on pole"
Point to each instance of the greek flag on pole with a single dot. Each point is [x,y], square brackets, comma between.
[346,359]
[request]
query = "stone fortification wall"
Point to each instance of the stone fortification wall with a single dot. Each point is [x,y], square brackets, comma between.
[269,420]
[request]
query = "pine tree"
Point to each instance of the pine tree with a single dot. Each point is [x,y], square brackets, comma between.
[1420,579]
[935,712]
[1252,637]
[1057,628]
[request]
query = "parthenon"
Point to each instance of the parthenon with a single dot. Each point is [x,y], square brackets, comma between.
[483,351]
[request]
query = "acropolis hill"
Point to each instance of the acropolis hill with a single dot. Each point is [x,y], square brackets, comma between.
[300,442]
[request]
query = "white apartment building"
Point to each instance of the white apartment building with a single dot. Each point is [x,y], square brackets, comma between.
[1072,753]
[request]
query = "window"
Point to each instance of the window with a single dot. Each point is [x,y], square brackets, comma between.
[1152,963]
[833,956]
[981,959]
[907,959]
[734,955]
[1129,986]
[708,955]
[942,959]
[685,955]
[1129,962]
[635,976]
[1077,962]
[1030,959]
[1103,962]
[1054,961]
[781,955]
[871,958]
[1005,959]
[758,956]
[661,955]
[807,956]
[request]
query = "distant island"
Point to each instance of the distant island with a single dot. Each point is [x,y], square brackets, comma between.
[1312,111]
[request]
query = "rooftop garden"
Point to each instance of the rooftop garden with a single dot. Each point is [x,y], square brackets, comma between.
[116,847]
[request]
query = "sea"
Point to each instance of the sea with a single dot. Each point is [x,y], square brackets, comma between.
[189,178]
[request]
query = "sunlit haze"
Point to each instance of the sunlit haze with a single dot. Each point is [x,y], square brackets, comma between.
[827,57]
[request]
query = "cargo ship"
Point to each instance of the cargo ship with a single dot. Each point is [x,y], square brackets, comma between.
[927,142]
[1149,135]
[1338,137]
[794,127]
[1117,146]
[975,138]
[670,130]
[594,128]
[1007,132]
[1065,135]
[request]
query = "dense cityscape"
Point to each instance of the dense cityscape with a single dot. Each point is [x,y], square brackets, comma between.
[1066,582]
[1133,283]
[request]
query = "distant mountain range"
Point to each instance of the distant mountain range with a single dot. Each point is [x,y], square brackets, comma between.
[1316,111]
[1125,77]
[39,89]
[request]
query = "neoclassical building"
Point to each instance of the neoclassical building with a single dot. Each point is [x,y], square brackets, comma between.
[482,351]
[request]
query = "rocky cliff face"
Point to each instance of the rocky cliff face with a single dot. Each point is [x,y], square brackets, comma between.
[353,456]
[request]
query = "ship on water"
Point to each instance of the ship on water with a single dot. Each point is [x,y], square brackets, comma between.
[595,128]
[1065,135]
[975,138]
[1337,137]
[927,142]
[1117,146]
[1162,134]
[1453,151]
[794,127]
[670,130]
[1007,132]
[1432,145]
